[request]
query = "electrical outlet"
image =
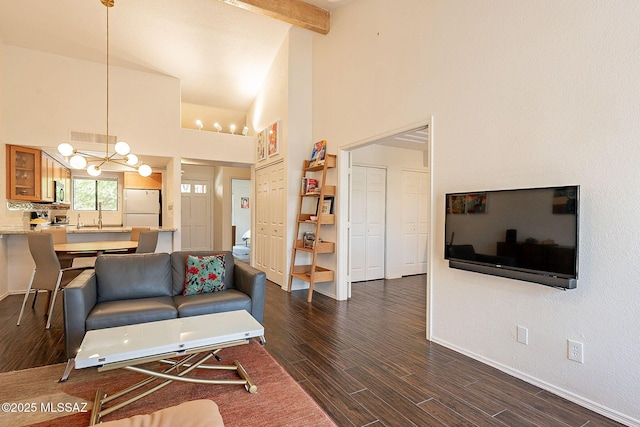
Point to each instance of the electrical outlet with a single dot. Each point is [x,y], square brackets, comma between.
[523,335]
[575,351]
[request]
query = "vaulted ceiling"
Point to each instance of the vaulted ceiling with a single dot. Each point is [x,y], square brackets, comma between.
[220,52]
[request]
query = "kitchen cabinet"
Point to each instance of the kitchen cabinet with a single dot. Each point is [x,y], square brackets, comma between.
[66,178]
[136,181]
[31,174]
[23,173]
[46,177]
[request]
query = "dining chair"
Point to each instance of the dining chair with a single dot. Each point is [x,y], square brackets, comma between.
[135,236]
[135,232]
[47,274]
[147,242]
[59,235]
[75,260]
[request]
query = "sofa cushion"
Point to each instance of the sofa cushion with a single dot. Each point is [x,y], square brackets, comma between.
[217,302]
[179,262]
[121,277]
[204,274]
[195,413]
[128,312]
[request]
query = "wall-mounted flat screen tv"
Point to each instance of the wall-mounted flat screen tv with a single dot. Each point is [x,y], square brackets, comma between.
[526,234]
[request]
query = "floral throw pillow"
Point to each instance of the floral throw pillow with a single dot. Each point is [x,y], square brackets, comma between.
[205,274]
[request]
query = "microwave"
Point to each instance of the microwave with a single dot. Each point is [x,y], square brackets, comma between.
[58,191]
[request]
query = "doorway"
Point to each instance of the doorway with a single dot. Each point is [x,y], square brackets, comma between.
[405,154]
[241,218]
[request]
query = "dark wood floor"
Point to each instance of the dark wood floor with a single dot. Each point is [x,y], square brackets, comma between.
[365,361]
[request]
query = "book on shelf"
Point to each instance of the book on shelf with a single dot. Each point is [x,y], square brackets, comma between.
[318,153]
[309,240]
[310,185]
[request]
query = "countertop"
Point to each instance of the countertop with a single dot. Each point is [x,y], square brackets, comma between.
[71,229]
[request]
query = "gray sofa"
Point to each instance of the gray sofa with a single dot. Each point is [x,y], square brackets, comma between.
[137,288]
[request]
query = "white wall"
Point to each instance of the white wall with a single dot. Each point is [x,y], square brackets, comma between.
[523,94]
[286,96]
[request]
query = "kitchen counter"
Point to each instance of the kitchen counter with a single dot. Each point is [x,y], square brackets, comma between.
[71,229]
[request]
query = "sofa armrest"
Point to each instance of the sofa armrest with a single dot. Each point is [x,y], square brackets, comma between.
[79,298]
[252,282]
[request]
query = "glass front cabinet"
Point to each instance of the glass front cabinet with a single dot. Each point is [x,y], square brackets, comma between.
[23,173]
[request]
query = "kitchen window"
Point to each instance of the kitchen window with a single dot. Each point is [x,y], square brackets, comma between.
[88,192]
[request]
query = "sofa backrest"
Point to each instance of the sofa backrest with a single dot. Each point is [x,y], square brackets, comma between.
[132,276]
[179,268]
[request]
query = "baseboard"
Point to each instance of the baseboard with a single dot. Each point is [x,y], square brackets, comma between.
[586,403]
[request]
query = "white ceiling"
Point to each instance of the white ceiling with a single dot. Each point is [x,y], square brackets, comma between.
[220,53]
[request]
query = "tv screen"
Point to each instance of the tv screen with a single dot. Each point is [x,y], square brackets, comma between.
[525,234]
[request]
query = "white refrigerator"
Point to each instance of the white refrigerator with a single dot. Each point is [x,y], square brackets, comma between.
[141,208]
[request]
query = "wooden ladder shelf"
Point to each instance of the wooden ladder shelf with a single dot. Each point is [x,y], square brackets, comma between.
[313,273]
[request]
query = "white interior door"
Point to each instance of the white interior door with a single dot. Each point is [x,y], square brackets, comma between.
[262,220]
[415,224]
[368,216]
[276,232]
[196,215]
[270,248]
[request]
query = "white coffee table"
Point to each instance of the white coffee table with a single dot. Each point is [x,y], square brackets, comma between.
[195,339]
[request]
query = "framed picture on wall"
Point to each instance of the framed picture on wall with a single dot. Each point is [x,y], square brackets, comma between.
[244,203]
[273,146]
[262,146]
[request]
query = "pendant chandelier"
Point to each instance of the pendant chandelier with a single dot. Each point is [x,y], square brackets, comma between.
[122,152]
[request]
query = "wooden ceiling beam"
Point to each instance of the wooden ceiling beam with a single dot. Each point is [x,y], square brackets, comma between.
[294,12]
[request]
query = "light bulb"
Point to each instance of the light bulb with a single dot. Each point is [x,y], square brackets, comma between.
[65,149]
[131,159]
[78,162]
[94,170]
[122,148]
[144,170]
[217,126]
[199,124]
[245,131]
[232,128]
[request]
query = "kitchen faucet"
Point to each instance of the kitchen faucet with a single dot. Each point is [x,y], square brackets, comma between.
[78,223]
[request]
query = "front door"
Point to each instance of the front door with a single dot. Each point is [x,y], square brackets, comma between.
[196,215]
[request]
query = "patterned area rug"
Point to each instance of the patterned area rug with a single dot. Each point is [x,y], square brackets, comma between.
[33,397]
